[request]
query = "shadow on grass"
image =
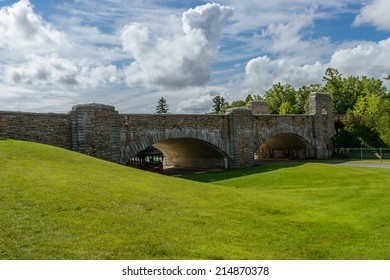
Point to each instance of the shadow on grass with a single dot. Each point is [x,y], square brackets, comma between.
[214,176]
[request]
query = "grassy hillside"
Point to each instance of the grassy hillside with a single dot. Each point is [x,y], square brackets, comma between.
[57,204]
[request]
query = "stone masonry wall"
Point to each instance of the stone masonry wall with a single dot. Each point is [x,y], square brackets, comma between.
[52,129]
[98,130]
[135,138]
[259,108]
[323,124]
[267,126]
[241,134]
[95,131]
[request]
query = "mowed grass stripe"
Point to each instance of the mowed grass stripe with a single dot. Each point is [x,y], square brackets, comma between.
[58,204]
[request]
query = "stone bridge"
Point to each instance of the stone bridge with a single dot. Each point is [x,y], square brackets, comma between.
[232,140]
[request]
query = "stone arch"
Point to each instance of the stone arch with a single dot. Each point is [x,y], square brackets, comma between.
[185,147]
[284,142]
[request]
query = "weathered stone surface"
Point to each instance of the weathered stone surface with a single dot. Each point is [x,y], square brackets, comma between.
[323,126]
[53,129]
[141,131]
[95,131]
[229,140]
[259,108]
[241,136]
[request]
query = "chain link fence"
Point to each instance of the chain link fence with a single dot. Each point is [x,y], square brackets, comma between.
[364,153]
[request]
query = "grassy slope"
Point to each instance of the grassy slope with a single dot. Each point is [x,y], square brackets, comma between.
[57,204]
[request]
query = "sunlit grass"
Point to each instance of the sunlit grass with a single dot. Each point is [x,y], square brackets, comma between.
[57,204]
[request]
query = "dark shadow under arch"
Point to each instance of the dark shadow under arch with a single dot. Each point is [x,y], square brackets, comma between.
[191,153]
[284,146]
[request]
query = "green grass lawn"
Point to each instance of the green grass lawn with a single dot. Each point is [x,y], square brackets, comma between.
[57,204]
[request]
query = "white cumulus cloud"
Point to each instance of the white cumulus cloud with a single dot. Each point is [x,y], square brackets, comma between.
[23,30]
[57,71]
[365,59]
[42,70]
[208,19]
[376,12]
[369,58]
[179,60]
[39,56]
[202,103]
[262,72]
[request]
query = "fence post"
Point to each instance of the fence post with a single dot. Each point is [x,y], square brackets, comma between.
[361,153]
[380,151]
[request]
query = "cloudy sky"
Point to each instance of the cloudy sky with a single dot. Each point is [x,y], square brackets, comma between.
[128,53]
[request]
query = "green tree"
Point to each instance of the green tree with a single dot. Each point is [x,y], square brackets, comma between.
[361,100]
[162,106]
[238,104]
[372,85]
[219,105]
[302,98]
[333,87]
[346,91]
[286,108]
[279,94]
[383,121]
[368,121]
[257,97]
[248,99]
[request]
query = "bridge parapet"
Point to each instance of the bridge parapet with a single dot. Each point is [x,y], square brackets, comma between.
[49,128]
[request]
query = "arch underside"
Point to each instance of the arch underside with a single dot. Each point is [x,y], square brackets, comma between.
[188,153]
[284,145]
[191,153]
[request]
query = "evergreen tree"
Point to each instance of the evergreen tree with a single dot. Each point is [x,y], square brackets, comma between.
[162,106]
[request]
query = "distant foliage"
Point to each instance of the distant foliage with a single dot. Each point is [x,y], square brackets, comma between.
[363,100]
[281,98]
[366,103]
[346,91]
[219,105]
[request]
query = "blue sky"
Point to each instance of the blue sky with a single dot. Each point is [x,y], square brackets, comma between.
[55,54]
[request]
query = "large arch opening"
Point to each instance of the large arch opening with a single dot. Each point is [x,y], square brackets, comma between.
[283,146]
[180,153]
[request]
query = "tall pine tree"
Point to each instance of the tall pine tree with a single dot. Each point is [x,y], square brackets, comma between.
[162,106]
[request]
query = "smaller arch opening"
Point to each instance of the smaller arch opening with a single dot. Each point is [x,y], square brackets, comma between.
[283,146]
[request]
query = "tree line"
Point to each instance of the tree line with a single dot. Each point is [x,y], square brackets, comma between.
[364,103]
